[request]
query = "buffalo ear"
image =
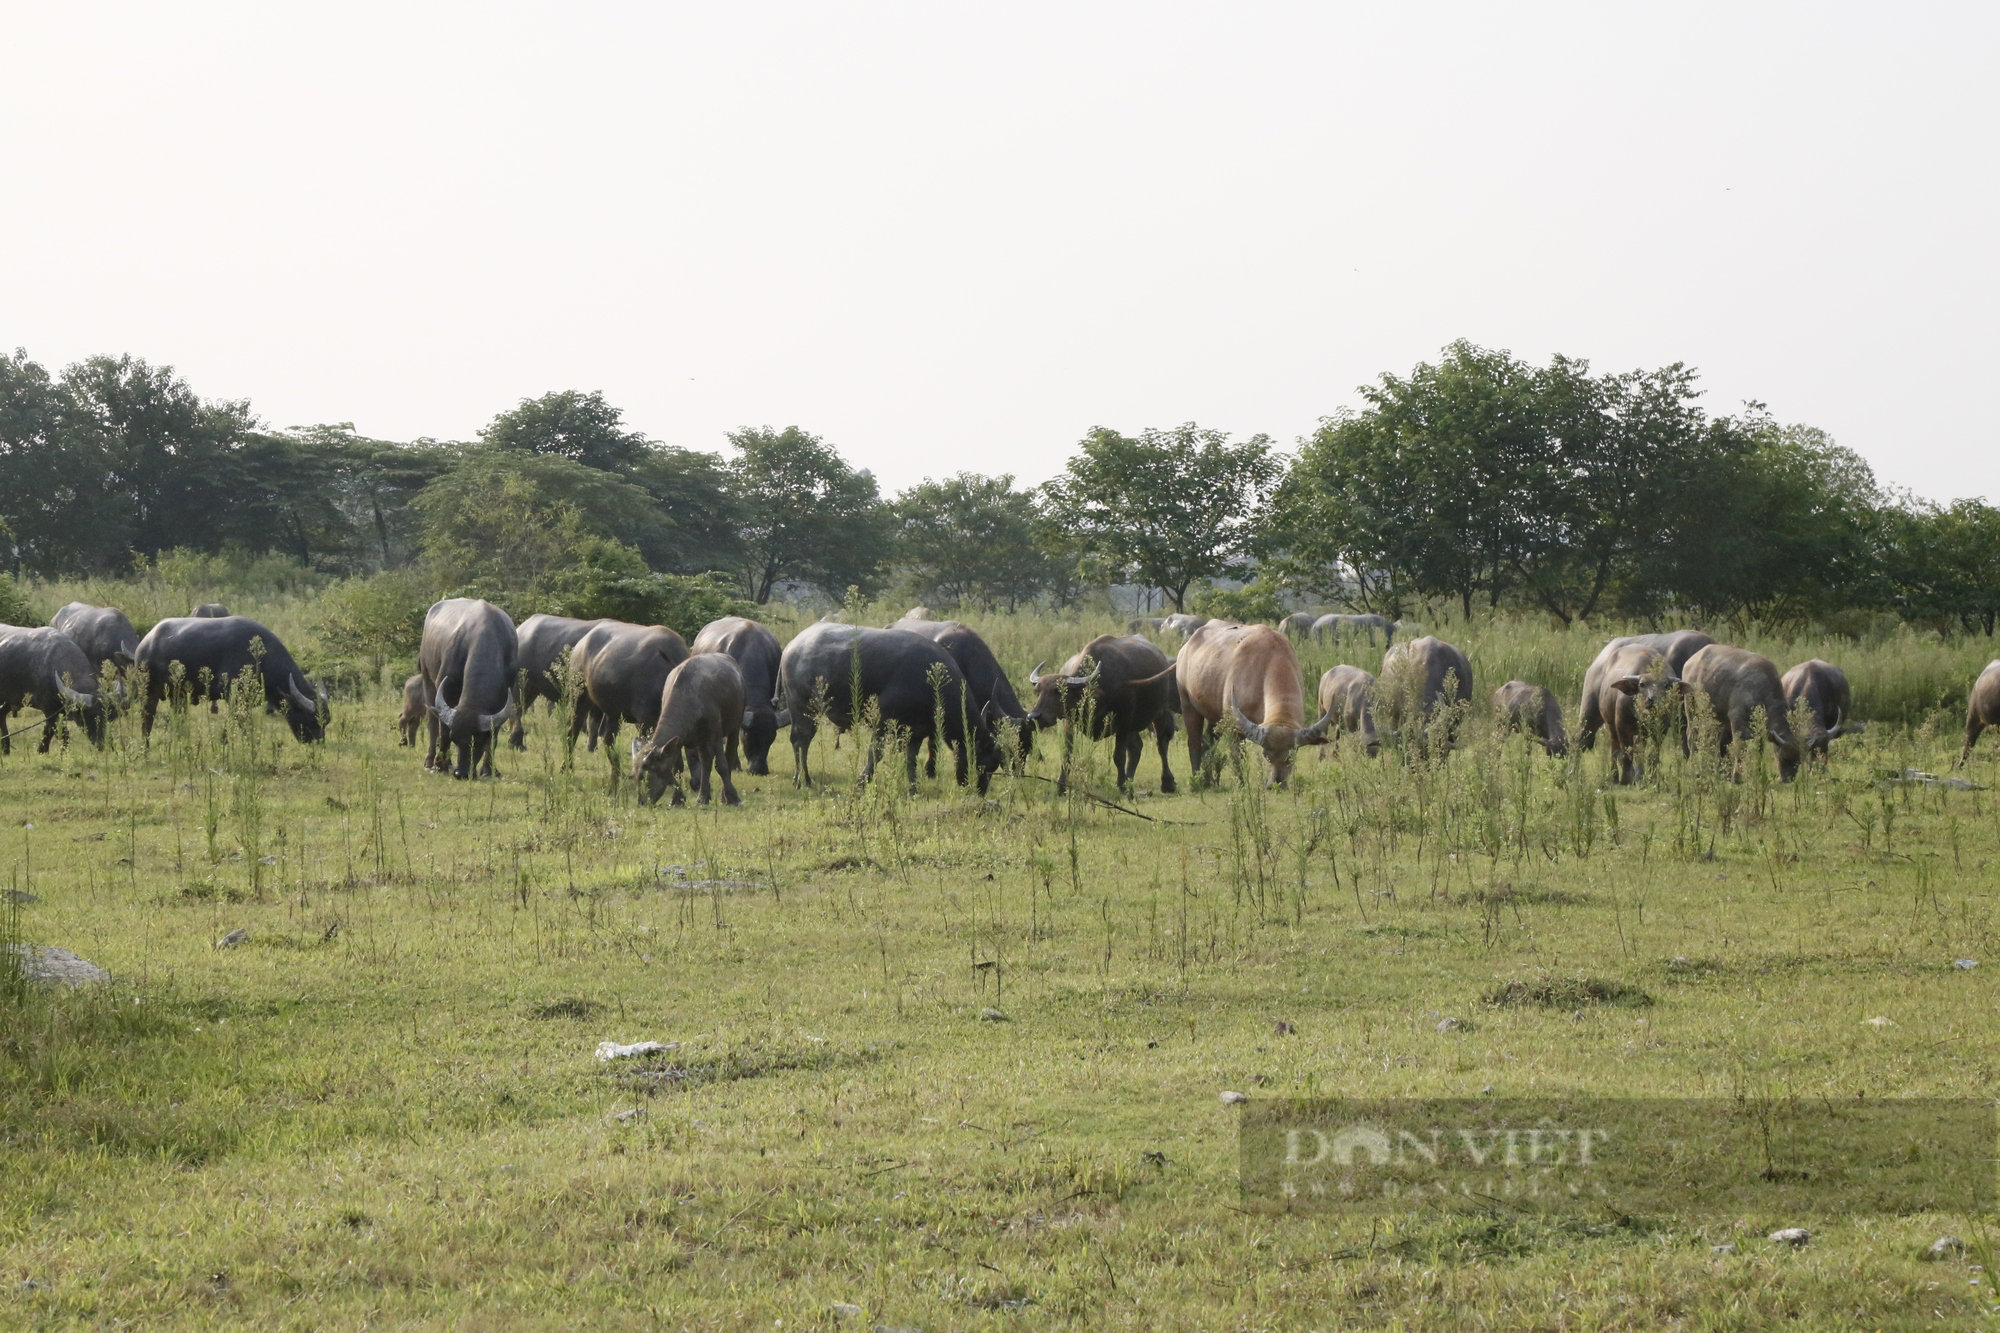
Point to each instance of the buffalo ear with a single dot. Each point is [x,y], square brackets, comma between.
[1627,684]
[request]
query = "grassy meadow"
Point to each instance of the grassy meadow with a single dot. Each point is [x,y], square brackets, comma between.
[946,1062]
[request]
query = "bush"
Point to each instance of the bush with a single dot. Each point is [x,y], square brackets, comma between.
[683,602]
[15,608]
[376,618]
[1246,605]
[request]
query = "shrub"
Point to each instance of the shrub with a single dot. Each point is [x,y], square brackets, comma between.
[376,618]
[15,607]
[1246,605]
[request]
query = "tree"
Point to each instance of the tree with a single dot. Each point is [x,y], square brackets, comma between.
[1165,509]
[969,538]
[1944,562]
[806,515]
[570,424]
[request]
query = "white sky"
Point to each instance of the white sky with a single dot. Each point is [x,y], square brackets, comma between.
[946,237]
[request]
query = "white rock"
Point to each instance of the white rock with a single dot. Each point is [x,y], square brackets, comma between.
[1790,1236]
[1451,1024]
[233,938]
[1945,1246]
[1233,1099]
[992,1016]
[611,1050]
[48,963]
[1965,964]
[1880,1022]
[843,1310]
[1722,1249]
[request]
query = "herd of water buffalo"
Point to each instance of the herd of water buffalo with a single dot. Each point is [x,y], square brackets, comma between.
[705,707]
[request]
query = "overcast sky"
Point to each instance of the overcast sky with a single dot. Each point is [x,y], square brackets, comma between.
[947,237]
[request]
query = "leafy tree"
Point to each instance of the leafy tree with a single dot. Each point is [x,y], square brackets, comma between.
[1166,508]
[969,538]
[378,618]
[806,515]
[1944,562]
[570,424]
[509,520]
[691,490]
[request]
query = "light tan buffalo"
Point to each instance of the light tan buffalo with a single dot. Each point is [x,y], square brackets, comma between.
[1823,687]
[1347,695]
[1249,675]
[1983,709]
[1675,647]
[1533,709]
[1634,681]
[1429,676]
[1738,682]
[416,707]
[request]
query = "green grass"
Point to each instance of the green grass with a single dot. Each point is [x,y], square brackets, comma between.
[382,1107]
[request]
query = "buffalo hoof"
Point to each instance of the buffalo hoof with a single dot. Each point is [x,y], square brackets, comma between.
[1167,787]
[517,743]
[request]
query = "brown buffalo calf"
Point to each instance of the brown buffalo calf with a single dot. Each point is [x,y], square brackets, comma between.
[1738,682]
[1823,687]
[416,707]
[1347,694]
[1533,709]
[701,714]
[1983,709]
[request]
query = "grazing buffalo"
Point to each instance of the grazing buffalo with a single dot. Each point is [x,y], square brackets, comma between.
[416,707]
[623,669]
[756,651]
[832,671]
[209,611]
[1823,686]
[700,715]
[1347,693]
[1144,623]
[467,661]
[1982,710]
[1738,683]
[540,643]
[1533,709]
[1334,628]
[983,674]
[917,613]
[1123,687]
[1426,677]
[1635,682]
[43,669]
[211,653]
[1182,624]
[1675,648]
[1298,625]
[1246,675]
[103,632]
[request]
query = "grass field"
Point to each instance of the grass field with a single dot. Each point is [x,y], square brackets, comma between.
[382,1108]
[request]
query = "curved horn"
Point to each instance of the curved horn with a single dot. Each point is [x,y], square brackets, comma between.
[1316,733]
[1035,676]
[1251,730]
[305,702]
[784,718]
[80,702]
[1078,682]
[749,716]
[488,721]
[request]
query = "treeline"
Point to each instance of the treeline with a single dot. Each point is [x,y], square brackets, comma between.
[1480,480]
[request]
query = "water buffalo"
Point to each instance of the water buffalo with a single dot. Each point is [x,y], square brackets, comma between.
[756,651]
[1738,683]
[1144,623]
[222,647]
[209,611]
[1124,686]
[832,670]
[1249,676]
[983,676]
[467,660]
[1982,710]
[1635,682]
[416,707]
[700,715]
[1348,694]
[1823,686]
[623,669]
[103,632]
[1182,624]
[1675,648]
[1533,709]
[1334,628]
[44,669]
[540,643]
[1298,625]
[1428,676]
[917,613]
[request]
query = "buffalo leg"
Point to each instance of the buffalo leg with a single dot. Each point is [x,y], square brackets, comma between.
[910,748]
[49,725]
[431,761]
[517,738]
[1974,724]
[1163,731]
[7,745]
[1197,750]
[1068,752]
[726,764]
[699,763]
[930,759]
[802,737]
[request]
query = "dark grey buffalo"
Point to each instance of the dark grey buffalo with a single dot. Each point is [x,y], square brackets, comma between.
[1738,683]
[103,632]
[467,661]
[700,717]
[1533,709]
[756,651]
[1674,648]
[832,671]
[1144,623]
[984,676]
[1334,628]
[1425,678]
[540,643]
[1347,695]
[622,668]
[1982,710]
[1634,682]
[212,653]
[43,669]
[1124,687]
[209,611]
[1823,688]
[416,707]
[1298,625]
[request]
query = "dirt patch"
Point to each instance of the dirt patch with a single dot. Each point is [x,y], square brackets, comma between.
[1565,993]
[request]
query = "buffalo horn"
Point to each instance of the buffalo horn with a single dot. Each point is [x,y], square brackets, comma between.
[1316,733]
[784,719]
[1035,676]
[1078,682]
[74,699]
[1251,730]
[488,721]
[749,716]
[305,701]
